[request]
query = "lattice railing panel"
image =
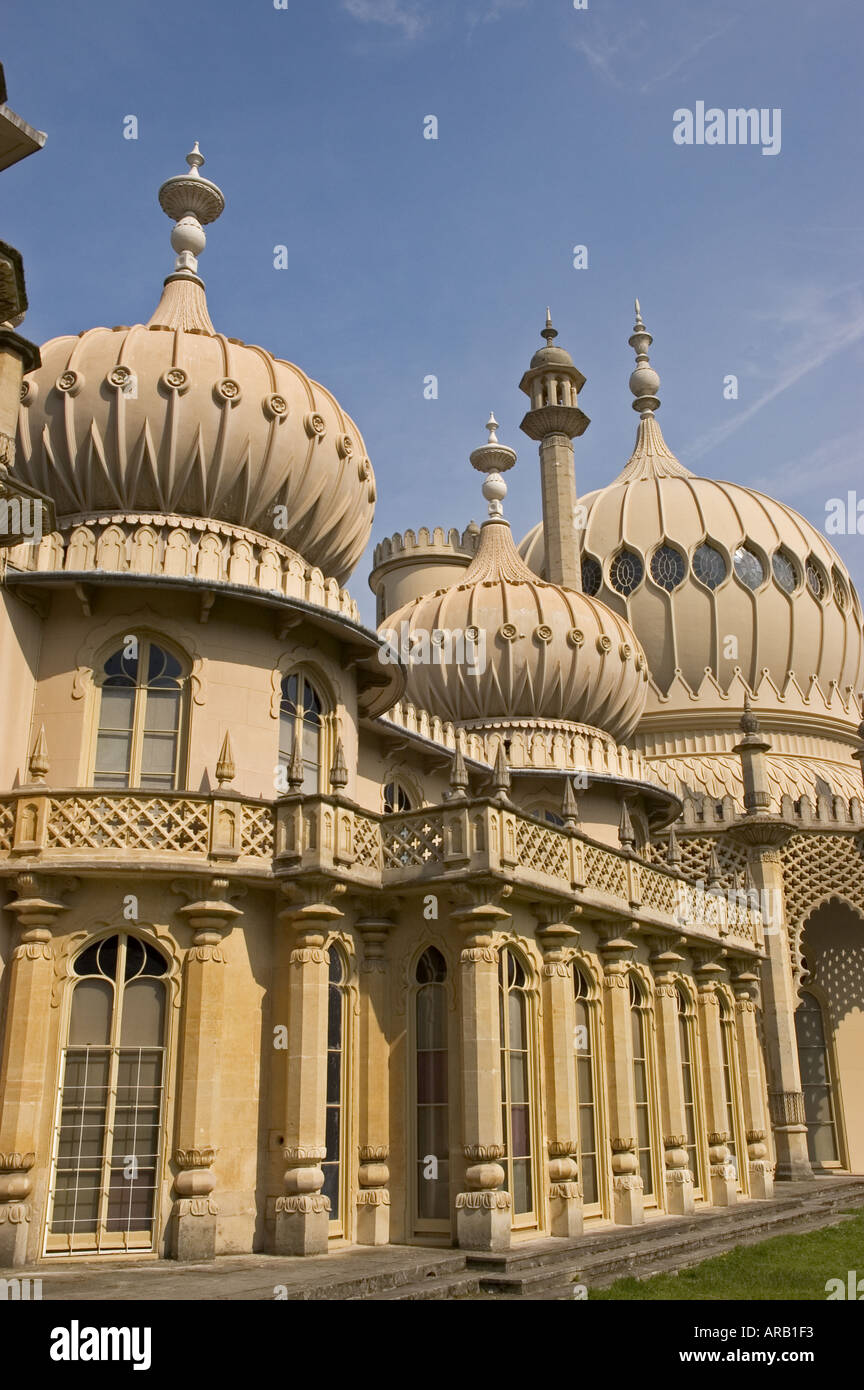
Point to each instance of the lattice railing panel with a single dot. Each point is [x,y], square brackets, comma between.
[418,841]
[256,835]
[367,843]
[7,824]
[605,871]
[660,891]
[129,822]
[542,849]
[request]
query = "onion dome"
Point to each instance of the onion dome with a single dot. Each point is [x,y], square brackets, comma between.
[502,643]
[720,582]
[172,417]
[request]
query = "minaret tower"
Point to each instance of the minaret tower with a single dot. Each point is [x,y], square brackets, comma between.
[555,420]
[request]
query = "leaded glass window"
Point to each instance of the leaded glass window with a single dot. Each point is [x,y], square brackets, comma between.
[668,567]
[641,1087]
[748,567]
[301,716]
[516,1090]
[730,1087]
[592,575]
[686,1031]
[785,571]
[626,572]
[585,1049]
[816,580]
[709,566]
[333,1164]
[396,798]
[816,1082]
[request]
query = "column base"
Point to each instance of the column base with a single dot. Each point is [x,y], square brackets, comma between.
[793,1160]
[628,1203]
[14,1231]
[565,1210]
[193,1231]
[483,1221]
[373,1218]
[761,1181]
[302,1225]
[724,1192]
[680,1200]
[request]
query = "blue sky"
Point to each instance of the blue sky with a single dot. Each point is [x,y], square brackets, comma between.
[410,256]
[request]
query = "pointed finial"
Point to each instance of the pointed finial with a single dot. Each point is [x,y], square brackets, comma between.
[570,806]
[644,381]
[294,772]
[749,723]
[492,425]
[673,851]
[339,770]
[192,201]
[549,333]
[37,765]
[458,776]
[225,769]
[493,459]
[500,772]
[714,873]
[626,833]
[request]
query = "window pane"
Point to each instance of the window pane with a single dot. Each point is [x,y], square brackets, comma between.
[158,755]
[117,708]
[431,1017]
[113,753]
[143,1013]
[431,1078]
[90,1021]
[162,711]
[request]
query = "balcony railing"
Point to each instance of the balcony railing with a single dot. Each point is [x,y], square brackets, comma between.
[300,835]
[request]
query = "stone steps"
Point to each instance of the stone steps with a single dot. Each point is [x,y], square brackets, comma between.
[464,1285]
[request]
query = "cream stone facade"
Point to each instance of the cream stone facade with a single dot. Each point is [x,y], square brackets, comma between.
[531,911]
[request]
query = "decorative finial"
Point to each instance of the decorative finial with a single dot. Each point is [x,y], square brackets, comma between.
[339,770]
[626,833]
[549,333]
[570,806]
[192,201]
[458,776]
[500,772]
[493,459]
[294,772]
[644,381]
[749,723]
[673,851]
[225,769]
[37,766]
[714,873]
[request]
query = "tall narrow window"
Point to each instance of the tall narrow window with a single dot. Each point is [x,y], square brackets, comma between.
[141,712]
[107,1155]
[396,798]
[585,1060]
[301,717]
[686,1026]
[730,1089]
[816,1082]
[641,1086]
[333,1164]
[432,1135]
[516,1085]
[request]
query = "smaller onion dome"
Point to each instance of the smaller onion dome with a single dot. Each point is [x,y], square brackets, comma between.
[502,643]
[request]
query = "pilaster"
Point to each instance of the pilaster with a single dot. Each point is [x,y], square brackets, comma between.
[373,1198]
[557,940]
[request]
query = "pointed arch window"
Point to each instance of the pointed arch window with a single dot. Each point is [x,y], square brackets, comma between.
[397,798]
[108,1140]
[642,1086]
[335,1128]
[516,1085]
[817,1082]
[586,1051]
[432,1120]
[140,740]
[686,1040]
[301,716]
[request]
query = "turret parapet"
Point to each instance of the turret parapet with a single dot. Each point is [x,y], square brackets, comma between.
[409,564]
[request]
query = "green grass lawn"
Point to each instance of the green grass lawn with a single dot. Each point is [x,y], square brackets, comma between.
[795,1267]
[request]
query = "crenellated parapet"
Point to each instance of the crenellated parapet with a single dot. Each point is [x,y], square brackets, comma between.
[409,564]
[172,546]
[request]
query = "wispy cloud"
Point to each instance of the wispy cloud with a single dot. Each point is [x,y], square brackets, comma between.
[637,55]
[810,332]
[408,17]
[835,463]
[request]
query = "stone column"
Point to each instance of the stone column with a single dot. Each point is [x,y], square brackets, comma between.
[302,1213]
[562,1100]
[483,1211]
[679,1179]
[723,1187]
[373,1199]
[26,1040]
[193,1225]
[628,1204]
[761,1170]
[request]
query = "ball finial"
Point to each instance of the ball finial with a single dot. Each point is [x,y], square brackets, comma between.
[644,381]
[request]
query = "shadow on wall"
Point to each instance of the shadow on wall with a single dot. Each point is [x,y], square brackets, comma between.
[833,948]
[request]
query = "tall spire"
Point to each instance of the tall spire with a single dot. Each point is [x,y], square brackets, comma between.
[192,201]
[493,459]
[553,383]
[652,457]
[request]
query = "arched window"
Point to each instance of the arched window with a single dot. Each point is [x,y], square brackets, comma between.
[730,1087]
[433,1126]
[585,1049]
[301,717]
[516,1085]
[686,1035]
[108,1140]
[334,1165]
[641,1086]
[142,703]
[817,1082]
[396,798]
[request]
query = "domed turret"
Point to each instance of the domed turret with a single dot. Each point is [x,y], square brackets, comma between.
[172,417]
[502,644]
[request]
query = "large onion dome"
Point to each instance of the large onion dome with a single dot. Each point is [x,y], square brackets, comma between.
[172,417]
